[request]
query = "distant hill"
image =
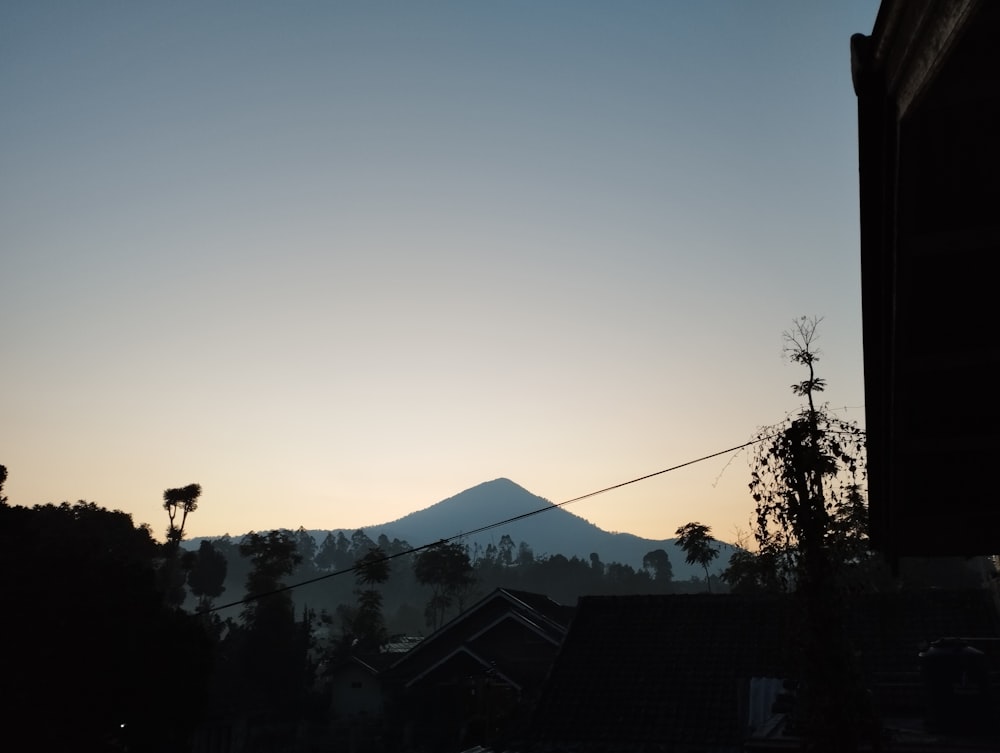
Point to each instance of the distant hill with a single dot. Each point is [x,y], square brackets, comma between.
[554,531]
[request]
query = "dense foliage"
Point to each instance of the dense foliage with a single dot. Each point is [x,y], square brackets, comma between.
[94,656]
[696,541]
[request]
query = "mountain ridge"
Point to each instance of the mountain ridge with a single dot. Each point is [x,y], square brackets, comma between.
[482,514]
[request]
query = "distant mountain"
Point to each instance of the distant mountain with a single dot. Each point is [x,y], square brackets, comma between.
[554,531]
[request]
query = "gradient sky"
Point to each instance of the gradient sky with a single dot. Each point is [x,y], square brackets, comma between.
[337,261]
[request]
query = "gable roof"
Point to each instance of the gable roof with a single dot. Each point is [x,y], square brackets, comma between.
[492,637]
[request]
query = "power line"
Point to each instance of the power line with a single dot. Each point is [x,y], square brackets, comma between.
[488,527]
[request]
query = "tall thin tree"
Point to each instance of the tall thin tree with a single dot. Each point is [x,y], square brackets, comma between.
[183,500]
[371,571]
[696,541]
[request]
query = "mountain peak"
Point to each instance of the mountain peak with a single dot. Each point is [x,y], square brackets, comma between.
[478,506]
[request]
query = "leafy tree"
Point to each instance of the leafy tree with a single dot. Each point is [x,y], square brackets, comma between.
[396,546]
[596,565]
[173,573]
[506,550]
[208,575]
[305,545]
[752,572]
[749,571]
[807,479]
[489,558]
[82,603]
[3,480]
[525,554]
[807,482]
[657,564]
[373,568]
[361,543]
[445,567]
[274,653]
[334,552]
[696,541]
[369,624]
[183,500]
[619,578]
[272,556]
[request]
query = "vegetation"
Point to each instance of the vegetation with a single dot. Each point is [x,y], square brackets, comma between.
[96,655]
[446,568]
[696,541]
[369,629]
[807,482]
[657,564]
[270,647]
[207,575]
[184,500]
[810,525]
[176,565]
[103,583]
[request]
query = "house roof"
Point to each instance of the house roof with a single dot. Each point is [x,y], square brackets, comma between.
[375,662]
[511,635]
[556,613]
[674,671]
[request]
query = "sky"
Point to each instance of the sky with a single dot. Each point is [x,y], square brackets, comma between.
[338,261]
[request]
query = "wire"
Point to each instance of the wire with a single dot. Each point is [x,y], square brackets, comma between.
[254,597]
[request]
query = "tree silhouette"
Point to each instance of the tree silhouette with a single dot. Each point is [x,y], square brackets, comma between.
[82,604]
[444,567]
[173,573]
[807,479]
[657,563]
[505,553]
[371,571]
[596,565]
[752,572]
[334,552]
[274,655]
[696,541]
[272,556]
[361,543]
[207,575]
[184,500]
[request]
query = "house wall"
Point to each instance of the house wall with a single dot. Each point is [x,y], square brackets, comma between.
[929,152]
[355,693]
